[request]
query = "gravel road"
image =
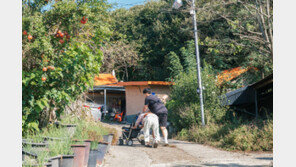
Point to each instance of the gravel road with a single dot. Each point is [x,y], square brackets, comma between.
[179,154]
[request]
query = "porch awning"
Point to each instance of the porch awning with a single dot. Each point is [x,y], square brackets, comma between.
[115,88]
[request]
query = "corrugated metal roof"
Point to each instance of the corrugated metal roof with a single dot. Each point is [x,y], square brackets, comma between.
[245,95]
[263,82]
[115,88]
[239,96]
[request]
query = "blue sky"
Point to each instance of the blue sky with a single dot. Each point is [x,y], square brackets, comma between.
[120,3]
[127,3]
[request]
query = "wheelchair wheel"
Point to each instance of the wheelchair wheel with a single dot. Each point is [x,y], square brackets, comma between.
[130,142]
[142,142]
[120,141]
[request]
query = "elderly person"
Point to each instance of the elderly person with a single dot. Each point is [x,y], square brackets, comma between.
[149,120]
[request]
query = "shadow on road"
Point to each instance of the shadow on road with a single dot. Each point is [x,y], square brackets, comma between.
[233,165]
[173,141]
[134,145]
[265,158]
[186,165]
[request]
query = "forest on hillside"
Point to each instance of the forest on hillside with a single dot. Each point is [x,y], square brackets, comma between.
[154,41]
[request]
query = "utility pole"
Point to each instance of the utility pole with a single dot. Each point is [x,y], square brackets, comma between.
[177,4]
[198,62]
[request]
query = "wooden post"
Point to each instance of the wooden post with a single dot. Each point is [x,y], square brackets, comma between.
[256,105]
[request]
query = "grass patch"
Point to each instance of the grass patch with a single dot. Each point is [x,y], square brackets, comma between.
[249,136]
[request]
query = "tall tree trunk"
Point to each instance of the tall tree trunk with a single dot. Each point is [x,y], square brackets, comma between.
[126,73]
[269,26]
[262,23]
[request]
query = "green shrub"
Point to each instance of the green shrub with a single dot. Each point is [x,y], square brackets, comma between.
[223,128]
[248,136]
[184,106]
[173,65]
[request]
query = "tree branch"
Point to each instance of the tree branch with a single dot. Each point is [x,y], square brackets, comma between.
[252,32]
[243,3]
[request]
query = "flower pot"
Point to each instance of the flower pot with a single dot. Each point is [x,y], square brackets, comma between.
[35,144]
[46,139]
[62,161]
[79,152]
[26,154]
[108,138]
[70,128]
[47,165]
[87,149]
[27,140]
[67,161]
[36,147]
[92,160]
[87,143]
[96,157]
[37,165]
[55,161]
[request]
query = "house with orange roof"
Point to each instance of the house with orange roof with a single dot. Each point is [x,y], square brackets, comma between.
[125,96]
[110,96]
[135,98]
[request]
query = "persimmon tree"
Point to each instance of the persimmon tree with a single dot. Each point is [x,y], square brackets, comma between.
[60,54]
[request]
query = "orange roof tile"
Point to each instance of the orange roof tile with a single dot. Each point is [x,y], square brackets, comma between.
[105,79]
[137,83]
[160,83]
[114,84]
[228,75]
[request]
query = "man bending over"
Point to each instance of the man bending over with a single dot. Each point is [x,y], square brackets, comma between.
[156,106]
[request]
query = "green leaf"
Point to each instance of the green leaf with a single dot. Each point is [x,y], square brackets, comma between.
[44,102]
[40,106]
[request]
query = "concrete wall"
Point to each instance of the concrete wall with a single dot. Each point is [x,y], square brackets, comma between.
[135,98]
[162,92]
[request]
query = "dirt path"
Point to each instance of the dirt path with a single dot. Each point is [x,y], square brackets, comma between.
[182,154]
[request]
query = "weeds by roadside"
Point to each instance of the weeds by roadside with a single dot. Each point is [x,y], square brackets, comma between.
[251,136]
